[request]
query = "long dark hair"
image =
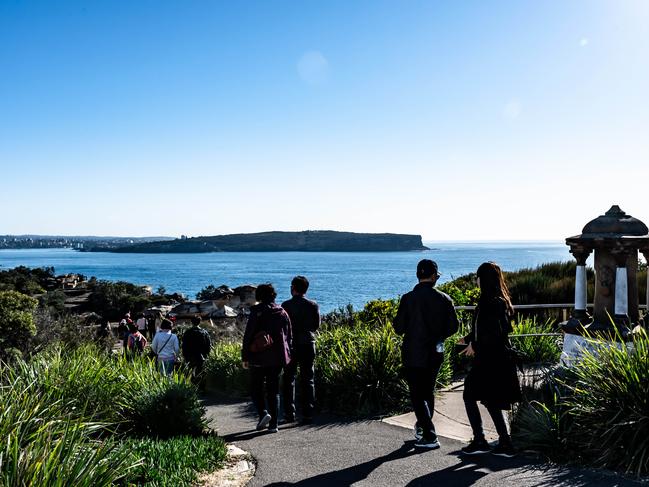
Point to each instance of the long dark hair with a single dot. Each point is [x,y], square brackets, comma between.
[492,284]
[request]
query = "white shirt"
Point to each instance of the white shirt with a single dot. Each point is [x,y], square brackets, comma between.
[165,345]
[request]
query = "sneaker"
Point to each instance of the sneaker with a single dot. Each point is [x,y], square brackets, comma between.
[289,418]
[430,444]
[504,449]
[476,447]
[263,422]
[272,428]
[419,432]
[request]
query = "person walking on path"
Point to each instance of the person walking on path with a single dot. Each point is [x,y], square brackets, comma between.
[135,342]
[165,346]
[196,346]
[425,318]
[305,320]
[493,379]
[265,351]
[141,323]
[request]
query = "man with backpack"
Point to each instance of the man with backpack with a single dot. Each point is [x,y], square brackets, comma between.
[196,346]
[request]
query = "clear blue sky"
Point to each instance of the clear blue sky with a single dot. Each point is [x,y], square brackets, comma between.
[454,120]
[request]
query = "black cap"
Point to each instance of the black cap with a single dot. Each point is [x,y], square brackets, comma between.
[427,268]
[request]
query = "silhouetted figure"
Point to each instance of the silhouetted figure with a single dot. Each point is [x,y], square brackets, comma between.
[493,379]
[196,346]
[305,320]
[425,318]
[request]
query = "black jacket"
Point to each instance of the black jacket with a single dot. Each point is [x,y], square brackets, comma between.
[493,378]
[196,345]
[425,317]
[305,319]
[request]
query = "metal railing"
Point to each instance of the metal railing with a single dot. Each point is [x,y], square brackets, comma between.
[564,307]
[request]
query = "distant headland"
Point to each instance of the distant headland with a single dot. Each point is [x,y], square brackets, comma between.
[307,241]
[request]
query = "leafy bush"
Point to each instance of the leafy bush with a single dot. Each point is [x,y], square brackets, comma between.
[113,299]
[47,440]
[600,412]
[537,349]
[167,411]
[358,370]
[223,370]
[129,394]
[174,462]
[16,323]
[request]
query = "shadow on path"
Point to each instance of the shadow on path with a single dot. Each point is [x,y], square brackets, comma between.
[350,475]
[469,469]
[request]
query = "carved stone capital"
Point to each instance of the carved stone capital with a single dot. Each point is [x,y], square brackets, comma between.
[620,256]
[580,253]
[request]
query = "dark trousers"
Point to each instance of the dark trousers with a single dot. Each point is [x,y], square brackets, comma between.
[473,413]
[268,376]
[197,367]
[421,383]
[303,356]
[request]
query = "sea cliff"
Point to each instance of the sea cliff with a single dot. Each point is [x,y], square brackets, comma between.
[307,241]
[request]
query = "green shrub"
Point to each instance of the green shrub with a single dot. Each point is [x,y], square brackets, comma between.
[129,394]
[223,370]
[16,323]
[537,349]
[47,441]
[174,462]
[599,414]
[608,404]
[358,370]
[167,411]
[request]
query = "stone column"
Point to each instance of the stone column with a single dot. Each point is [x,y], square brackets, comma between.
[581,282]
[645,253]
[621,308]
[580,317]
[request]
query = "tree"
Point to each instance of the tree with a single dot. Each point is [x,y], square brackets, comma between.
[17,326]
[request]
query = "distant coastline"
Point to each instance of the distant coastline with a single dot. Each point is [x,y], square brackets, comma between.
[306,241]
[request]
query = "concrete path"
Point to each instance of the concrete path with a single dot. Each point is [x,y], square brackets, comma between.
[335,453]
[450,418]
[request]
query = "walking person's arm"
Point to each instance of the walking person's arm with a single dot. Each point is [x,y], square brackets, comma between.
[247,339]
[401,319]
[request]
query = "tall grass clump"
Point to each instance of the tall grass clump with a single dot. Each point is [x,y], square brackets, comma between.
[48,441]
[599,412]
[608,403]
[536,349]
[128,393]
[358,370]
[223,370]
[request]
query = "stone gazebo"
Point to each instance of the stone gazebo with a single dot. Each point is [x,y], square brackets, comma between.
[615,238]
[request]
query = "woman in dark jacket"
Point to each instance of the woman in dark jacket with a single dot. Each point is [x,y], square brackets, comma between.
[265,351]
[493,379]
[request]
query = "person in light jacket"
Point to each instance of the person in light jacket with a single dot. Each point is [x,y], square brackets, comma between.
[265,351]
[166,347]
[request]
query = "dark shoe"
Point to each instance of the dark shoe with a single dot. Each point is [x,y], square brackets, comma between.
[272,428]
[476,447]
[263,422]
[504,449]
[306,420]
[418,431]
[289,418]
[427,443]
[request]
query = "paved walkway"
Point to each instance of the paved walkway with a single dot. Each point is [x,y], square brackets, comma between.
[336,453]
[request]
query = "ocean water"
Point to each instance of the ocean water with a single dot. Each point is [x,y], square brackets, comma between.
[337,278]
